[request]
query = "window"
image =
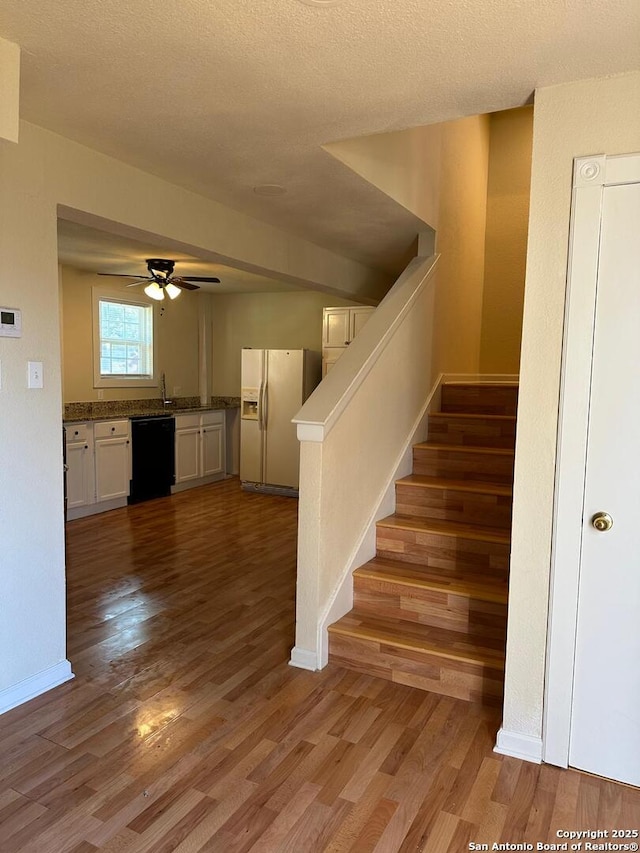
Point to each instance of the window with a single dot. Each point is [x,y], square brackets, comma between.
[123,342]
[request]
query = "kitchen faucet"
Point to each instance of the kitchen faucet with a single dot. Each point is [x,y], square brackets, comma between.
[163,390]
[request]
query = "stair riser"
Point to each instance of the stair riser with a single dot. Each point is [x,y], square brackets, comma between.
[486,400]
[472,682]
[453,505]
[443,552]
[475,467]
[438,609]
[472,432]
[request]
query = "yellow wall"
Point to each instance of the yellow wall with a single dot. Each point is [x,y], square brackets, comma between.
[460,240]
[506,239]
[263,321]
[176,338]
[572,120]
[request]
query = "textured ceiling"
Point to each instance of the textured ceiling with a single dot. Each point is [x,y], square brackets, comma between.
[220,97]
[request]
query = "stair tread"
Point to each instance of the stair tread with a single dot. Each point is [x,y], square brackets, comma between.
[472,415]
[482,487]
[416,637]
[465,448]
[446,528]
[457,580]
[461,383]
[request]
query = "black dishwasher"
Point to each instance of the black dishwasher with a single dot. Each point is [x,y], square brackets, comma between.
[152,457]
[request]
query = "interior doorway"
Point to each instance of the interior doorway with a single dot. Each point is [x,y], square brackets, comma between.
[592,717]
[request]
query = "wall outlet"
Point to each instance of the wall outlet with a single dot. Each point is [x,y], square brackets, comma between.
[100,394]
[176,390]
[34,374]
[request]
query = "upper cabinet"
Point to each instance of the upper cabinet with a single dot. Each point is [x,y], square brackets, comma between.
[341,325]
[339,328]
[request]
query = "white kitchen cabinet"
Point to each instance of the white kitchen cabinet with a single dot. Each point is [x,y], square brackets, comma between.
[213,445]
[358,318]
[187,448]
[200,449]
[329,358]
[336,327]
[112,447]
[98,458]
[79,461]
[339,327]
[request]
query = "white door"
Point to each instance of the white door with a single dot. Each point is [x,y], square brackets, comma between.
[283,399]
[78,462]
[605,715]
[212,450]
[188,465]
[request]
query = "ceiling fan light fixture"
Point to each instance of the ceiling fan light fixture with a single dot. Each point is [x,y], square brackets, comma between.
[172,290]
[154,291]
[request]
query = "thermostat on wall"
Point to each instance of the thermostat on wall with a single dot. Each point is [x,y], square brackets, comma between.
[10,323]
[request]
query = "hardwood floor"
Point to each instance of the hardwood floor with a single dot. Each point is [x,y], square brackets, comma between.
[185,730]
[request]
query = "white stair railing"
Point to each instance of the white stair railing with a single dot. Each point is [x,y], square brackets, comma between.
[354,431]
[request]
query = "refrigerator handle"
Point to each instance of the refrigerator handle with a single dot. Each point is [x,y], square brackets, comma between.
[260,406]
[265,405]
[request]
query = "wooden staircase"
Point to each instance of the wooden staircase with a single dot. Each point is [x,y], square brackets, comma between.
[430,608]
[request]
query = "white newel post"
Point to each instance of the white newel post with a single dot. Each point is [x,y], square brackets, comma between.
[305,654]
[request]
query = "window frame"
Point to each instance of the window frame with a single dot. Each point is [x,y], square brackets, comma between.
[147,380]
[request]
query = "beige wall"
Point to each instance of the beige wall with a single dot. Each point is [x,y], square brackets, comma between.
[176,339]
[508,191]
[440,173]
[263,321]
[573,120]
[404,164]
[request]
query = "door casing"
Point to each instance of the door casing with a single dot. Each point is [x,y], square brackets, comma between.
[591,175]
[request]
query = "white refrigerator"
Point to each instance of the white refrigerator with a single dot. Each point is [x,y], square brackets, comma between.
[275,384]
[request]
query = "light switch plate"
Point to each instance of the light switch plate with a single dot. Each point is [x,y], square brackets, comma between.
[34,374]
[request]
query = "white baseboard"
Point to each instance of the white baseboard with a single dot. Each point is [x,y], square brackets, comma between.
[517,745]
[33,686]
[199,481]
[303,659]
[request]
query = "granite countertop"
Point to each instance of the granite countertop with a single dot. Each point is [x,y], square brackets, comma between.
[107,409]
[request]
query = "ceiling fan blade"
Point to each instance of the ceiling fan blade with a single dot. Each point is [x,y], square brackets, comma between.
[185,285]
[142,281]
[199,278]
[122,275]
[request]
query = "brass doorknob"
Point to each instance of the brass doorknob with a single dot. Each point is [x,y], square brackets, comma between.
[602,521]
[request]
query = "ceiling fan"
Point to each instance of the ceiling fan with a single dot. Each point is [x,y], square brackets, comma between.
[161,279]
